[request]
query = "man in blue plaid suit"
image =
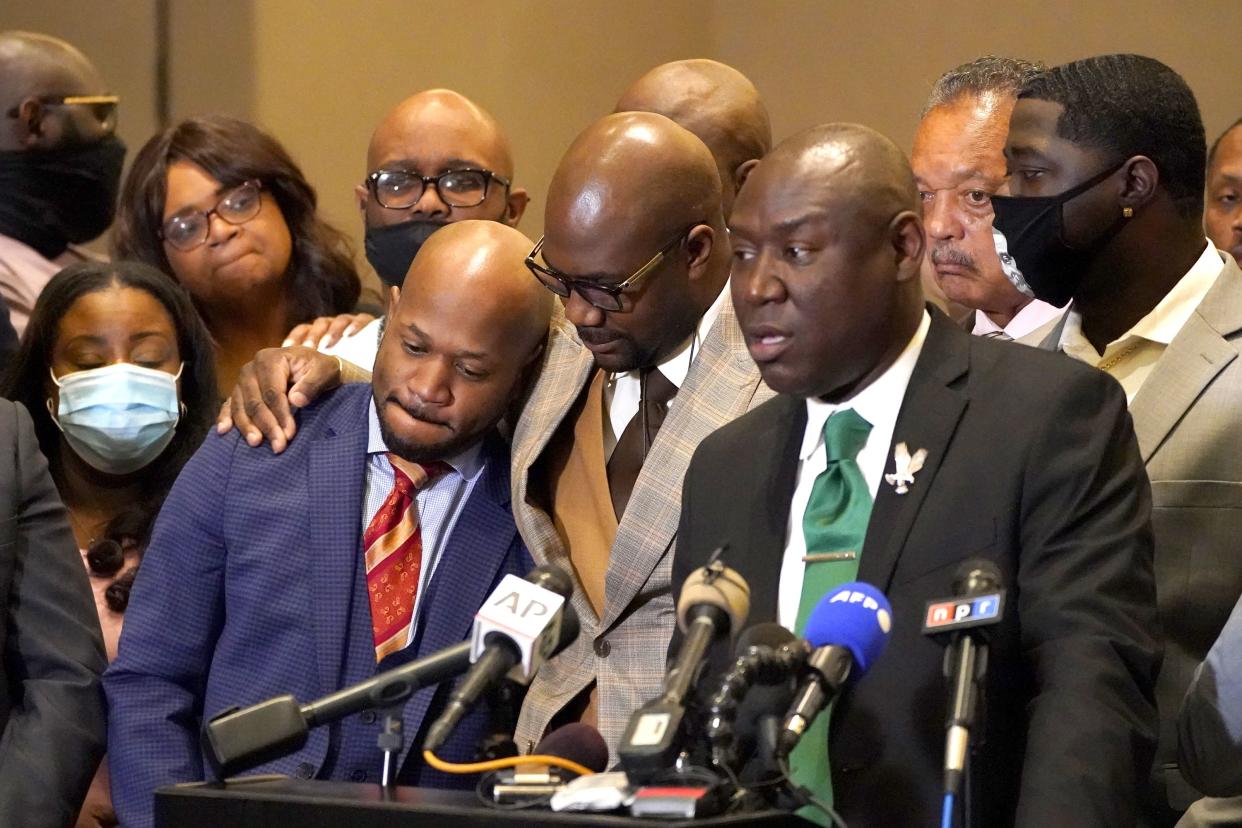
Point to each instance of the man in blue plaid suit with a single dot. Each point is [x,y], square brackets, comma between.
[254,583]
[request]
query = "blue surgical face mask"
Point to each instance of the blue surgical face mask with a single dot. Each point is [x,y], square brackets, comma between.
[117,418]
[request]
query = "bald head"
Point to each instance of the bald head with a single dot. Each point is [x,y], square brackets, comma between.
[828,228]
[636,191]
[635,175]
[452,119]
[482,265]
[850,164]
[714,101]
[459,339]
[34,65]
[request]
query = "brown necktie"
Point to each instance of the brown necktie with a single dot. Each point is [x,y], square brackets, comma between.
[632,447]
[1001,335]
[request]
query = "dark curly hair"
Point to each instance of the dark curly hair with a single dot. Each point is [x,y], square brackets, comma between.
[1129,105]
[27,373]
[323,280]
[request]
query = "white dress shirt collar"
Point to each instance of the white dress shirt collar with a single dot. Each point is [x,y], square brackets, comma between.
[623,392]
[1033,315]
[676,366]
[878,403]
[1162,323]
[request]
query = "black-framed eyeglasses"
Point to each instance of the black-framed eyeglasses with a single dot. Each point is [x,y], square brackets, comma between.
[604,297]
[401,189]
[189,228]
[102,107]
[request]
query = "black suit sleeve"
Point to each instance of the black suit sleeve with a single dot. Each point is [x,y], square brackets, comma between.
[1086,595]
[53,653]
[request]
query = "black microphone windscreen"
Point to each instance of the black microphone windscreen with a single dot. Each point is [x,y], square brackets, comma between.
[577,742]
[553,579]
[976,576]
[569,628]
[767,634]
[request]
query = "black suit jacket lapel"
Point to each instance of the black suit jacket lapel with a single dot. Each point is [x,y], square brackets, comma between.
[773,473]
[929,415]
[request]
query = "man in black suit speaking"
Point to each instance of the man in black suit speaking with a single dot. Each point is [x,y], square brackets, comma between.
[899,447]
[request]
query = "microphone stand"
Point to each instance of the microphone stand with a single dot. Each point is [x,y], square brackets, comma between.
[391,740]
[965,664]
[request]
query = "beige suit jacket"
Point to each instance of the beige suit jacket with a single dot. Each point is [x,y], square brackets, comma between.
[1188,420]
[624,651]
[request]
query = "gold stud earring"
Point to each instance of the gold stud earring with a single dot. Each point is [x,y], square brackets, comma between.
[1127,212]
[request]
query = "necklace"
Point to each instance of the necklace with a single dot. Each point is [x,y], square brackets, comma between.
[1109,364]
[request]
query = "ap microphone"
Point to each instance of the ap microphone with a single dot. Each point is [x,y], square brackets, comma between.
[848,628]
[522,623]
[714,603]
[978,603]
[237,740]
[576,742]
[766,654]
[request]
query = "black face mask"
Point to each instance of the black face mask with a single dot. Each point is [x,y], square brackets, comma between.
[51,198]
[1033,228]
[391,250]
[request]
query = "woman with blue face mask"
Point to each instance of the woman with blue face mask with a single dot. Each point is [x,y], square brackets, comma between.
[116,370]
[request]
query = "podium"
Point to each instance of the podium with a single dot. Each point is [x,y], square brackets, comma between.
[279,802]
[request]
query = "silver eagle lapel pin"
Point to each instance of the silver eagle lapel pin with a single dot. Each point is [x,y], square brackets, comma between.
[906,465]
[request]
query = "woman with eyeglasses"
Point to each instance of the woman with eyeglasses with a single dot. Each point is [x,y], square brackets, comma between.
[220,205]
[116,370]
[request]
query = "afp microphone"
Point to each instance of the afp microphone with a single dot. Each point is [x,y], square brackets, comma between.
[964,619]
[848,628]
[523,622]
[714,603]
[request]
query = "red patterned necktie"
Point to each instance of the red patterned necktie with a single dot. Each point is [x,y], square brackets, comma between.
[393,550]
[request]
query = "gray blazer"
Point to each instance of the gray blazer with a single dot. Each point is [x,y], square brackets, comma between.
[1188,420]
[623,651]
[51,702]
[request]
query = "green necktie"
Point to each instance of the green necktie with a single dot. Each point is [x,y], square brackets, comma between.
[835,521]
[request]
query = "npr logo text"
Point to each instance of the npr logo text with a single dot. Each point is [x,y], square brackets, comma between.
[979,609]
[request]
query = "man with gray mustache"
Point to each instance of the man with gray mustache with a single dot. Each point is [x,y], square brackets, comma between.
[959,164]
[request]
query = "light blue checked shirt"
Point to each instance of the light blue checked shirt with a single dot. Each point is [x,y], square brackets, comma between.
[439,504]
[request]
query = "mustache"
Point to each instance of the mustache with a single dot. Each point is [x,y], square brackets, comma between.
[946,254]
[418,412]
[595,336]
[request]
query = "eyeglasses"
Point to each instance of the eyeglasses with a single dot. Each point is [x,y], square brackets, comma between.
[604,297]
[401,189]
[102,107]
[189,228]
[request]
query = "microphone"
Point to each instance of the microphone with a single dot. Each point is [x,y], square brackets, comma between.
[766,654]
[978,603]
[576,742]
[238,739]
[714,603]
[849,629]
[522,623]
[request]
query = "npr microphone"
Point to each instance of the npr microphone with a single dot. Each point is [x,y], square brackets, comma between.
[848,628]
[978,602]
[523,622]
[714,603]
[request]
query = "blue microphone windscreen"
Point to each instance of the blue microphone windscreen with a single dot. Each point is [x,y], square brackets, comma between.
[856,616]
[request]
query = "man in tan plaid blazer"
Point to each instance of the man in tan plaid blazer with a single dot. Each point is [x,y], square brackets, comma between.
[662,184]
